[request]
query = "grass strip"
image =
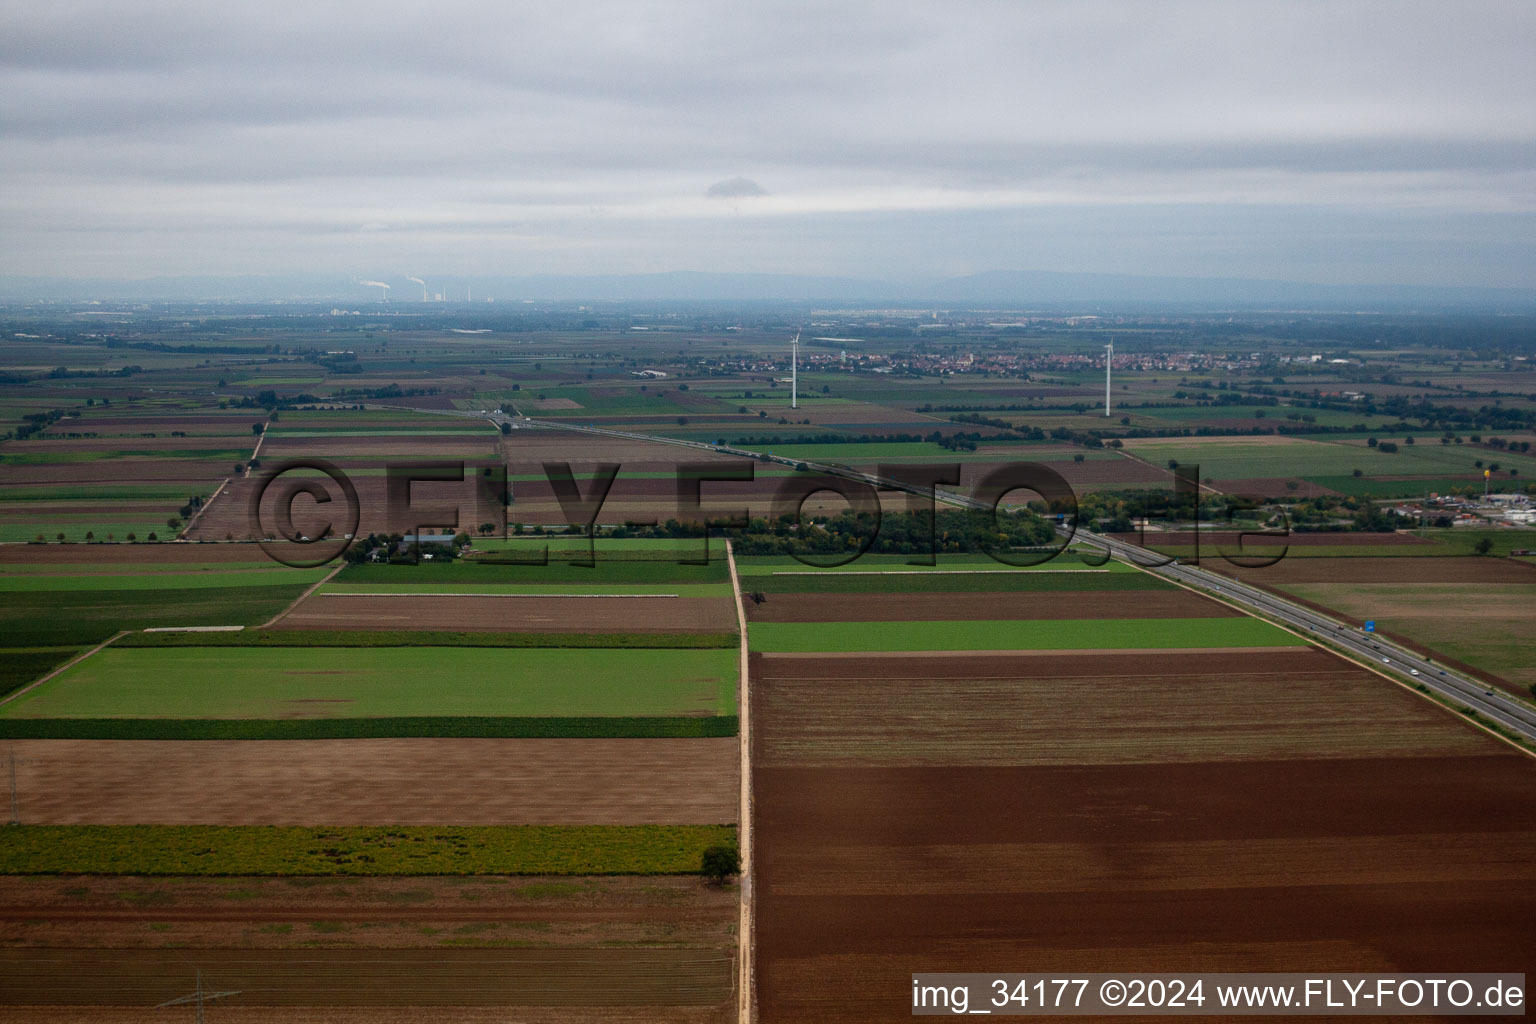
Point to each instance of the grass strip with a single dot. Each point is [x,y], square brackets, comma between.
[941,583]
[449,726]
[430,638]
[211,850]
[1002,635]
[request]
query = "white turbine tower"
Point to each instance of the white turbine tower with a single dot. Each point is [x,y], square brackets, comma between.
[1109,363]
[794,371]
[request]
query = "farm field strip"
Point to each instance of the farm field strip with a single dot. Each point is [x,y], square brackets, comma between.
[720,590]
[926,607]
[464,593]
[1009,635]
[955,721]
[926,572]
[378,782]
[217,580]
[280,683]
[290,850]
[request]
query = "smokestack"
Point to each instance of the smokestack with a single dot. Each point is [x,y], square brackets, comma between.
[423,287]
[377,284]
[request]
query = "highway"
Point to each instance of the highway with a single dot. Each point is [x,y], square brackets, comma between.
[1377,651]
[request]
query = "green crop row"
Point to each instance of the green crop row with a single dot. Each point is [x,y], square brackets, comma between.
[400,850]
[448,726]
[430,638]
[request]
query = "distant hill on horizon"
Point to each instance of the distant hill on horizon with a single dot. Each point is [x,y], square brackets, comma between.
[1002,289]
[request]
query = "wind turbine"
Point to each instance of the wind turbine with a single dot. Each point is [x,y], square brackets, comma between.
[794,371]
[1109,363]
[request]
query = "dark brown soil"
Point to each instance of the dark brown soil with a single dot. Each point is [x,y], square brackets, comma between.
[513,613]
[871,869]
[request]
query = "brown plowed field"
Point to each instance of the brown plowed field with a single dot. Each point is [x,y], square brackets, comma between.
[84,912]
[135,554]
[423,781]
[510,613]
[229,516]
[1417,569]
[1163,709]
[375,977]
[228,1014]
[196,473]
[1285,811]
[948,607]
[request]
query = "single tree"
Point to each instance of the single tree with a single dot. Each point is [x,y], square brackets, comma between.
[719,863]
[1483,546]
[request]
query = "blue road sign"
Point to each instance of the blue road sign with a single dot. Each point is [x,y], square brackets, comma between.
[1370,625]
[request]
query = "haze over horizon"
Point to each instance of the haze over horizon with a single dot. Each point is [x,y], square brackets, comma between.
[1356,143]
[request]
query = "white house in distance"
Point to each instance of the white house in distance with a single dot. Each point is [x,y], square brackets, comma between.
[648,374]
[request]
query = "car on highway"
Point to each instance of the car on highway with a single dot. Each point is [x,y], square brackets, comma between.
[1413,671]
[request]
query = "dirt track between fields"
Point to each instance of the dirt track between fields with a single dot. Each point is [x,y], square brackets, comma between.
[970,606]
[378,781]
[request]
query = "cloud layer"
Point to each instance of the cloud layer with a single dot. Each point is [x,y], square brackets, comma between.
[1324,141]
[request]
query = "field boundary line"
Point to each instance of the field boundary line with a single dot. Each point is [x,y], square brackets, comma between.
[930,572]
[1321,644]
[477,593]
[71,663]
[745,933]
[296,601]
[182,533]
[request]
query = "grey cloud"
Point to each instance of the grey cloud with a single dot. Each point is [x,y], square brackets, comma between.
[735,188]
[481,133]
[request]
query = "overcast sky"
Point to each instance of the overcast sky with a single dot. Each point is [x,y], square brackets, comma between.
[1388,142]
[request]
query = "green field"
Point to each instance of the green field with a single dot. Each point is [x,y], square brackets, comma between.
[552,589]
[427,638]
[1282,458]
[461,727]
[1489,626]
[193,850]
[21,665]
[327,682]
[165,580]
[56,617]
[74,527]
[1009,635]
